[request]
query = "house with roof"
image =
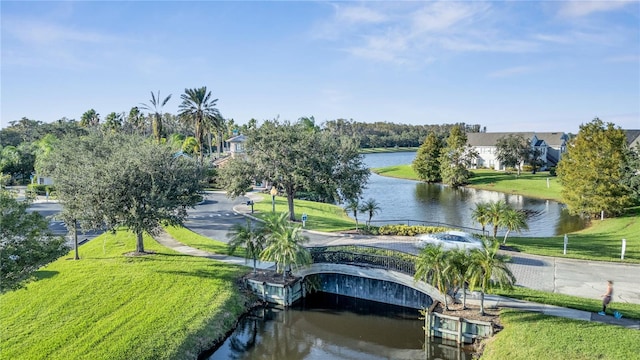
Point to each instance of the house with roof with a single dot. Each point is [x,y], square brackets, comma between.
[633,138]
[551,146]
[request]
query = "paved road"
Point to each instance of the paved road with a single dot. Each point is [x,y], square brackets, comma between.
[564,276]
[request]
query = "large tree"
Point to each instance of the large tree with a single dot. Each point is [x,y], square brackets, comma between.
[26,243]
[198,108]
[296,158]
[155,106]
[513,150]
[427,162]
[125,180]
[455,158]
[592,171]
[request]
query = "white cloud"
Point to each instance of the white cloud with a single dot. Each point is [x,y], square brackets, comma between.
[358,14]
[508,72]
[444,16]
[579,8]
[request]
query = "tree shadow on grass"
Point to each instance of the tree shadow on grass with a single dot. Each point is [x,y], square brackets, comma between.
[44,274]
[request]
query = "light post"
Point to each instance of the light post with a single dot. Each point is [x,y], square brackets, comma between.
[273,198]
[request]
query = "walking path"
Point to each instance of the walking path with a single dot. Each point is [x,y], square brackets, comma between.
[319,238]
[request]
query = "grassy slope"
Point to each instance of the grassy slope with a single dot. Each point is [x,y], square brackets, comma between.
[198,241]
[110,306]
[534,336]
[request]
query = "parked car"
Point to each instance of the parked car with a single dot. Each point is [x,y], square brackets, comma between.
[449,240]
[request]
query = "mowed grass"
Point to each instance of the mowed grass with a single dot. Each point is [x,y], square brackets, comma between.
[198,241]
[320,216]
[602,241]
[534,336]
[111,306]
[527,184]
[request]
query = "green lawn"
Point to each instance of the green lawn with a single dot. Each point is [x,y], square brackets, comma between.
[112,306]
[198,241]
[527,184]
[534,336]
[320,216]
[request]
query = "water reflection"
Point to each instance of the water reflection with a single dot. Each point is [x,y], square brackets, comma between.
[402,200]
[328,326]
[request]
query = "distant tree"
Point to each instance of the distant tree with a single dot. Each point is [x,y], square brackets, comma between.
[190,146]
[137,121]
[113,122]
[353,207]
[480,215]
[488,269]
[237,176]
[427,162]
[123,180]
[370,207]
[198,108]
[455,158]
[592,171]
[26,243]
[155,106]
[631,173]
[250,237]
[495,212]
[90,118]
[513,150]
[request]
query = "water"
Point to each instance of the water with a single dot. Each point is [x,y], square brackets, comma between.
[401,200]
[326,326]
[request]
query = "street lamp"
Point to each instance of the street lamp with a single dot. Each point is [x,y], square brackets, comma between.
[273,198]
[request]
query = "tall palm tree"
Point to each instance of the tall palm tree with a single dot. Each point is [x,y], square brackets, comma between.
[515,220]
[353,206]
[285,247]
[488,269]
[432,267]
[457,267]
[480,214]
[198,108]
[370,207]
[155,106]
[251,238]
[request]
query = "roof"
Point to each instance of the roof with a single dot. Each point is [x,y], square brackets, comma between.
[490,139]
[237,139]
[633,136]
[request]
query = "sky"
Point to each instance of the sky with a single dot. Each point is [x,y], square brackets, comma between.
[509,66]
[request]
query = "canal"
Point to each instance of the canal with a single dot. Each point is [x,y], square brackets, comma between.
[327,326]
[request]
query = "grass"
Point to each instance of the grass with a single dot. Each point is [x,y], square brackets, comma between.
[198,241]
[534,336]
[320,216]
[111,306]
[527,184]
[631,311]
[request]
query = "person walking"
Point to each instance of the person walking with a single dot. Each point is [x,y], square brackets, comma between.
[607,297]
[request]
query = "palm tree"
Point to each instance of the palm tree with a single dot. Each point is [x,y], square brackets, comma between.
[515,220]
[371,207]
[285,248]
[251,238]
[198,108]
[353,206]
[481,214]
[495,211]
[432,266]
[155,106]
[488,269]
[457,267]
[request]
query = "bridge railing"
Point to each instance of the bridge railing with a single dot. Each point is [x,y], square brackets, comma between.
[365,256]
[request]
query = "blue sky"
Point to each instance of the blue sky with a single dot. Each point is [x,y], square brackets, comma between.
[509,66]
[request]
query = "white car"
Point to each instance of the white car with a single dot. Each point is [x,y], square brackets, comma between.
[449,240]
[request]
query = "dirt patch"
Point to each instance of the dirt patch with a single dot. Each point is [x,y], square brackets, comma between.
[271,277]
[472,312]
[136,253]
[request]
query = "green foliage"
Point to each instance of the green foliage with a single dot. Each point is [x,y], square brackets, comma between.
[427,161]
[487,270]
[26,243]
[512,150]
[284,244]
[406,230]
[500,215]
[455,159]
[432,267]
[198,108]
[160,306]
[592,171]
[40,189]
[252,237]
[155,107]
[369,207]
[631,171]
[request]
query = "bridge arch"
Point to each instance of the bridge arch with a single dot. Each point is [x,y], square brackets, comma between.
[387,286]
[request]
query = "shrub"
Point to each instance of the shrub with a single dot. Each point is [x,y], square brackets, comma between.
[527,168]
[405,230]
[40,189]
[552,171]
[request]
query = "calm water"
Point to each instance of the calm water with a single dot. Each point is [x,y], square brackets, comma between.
[327,326]
[402,200]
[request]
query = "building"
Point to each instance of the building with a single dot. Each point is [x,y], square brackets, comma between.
[551,146]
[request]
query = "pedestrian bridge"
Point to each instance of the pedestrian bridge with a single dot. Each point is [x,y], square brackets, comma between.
[370,273]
